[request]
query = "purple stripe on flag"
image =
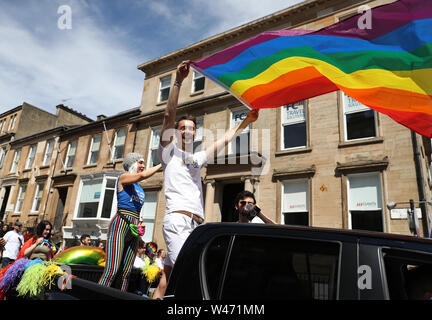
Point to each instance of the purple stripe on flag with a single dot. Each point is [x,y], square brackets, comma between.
[227,54]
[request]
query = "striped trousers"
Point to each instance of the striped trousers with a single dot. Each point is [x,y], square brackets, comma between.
[121,250]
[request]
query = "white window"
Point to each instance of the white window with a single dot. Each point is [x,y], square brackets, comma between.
[31,156]
[2,124]
[198,82]
[48,152]
[2,155]
[70,155]
[148,213]
[293,126]
[119,144]
[20,198]
[359,120]
[153,159]
[12,122]
[15,160]
[295,202]
[365,202]
[241,144]
[199,134]
[96,198]
[38,197]
[94,149]
[164,88]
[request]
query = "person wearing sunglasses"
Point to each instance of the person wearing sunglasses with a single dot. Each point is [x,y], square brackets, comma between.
[245,205]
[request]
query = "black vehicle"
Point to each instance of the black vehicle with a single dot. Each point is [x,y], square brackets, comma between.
[226,261]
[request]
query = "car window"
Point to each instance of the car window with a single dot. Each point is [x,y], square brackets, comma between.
[408,274]
[280,268]
[214,260]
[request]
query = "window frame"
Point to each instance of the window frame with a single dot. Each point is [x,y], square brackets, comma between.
[35,197]
[378,174]
[15,160]
[150,148]
[361,109]
[90,149]
[2,155]
[103,189]
[244,132]
[20,200]
[31,158]
[284,124]
[68,155]
[194,79]
[46,161]
[159,100]
[12,122]
[114,147]
[308,195]
[147,220]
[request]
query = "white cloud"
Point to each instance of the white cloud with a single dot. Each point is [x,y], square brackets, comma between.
[42,65]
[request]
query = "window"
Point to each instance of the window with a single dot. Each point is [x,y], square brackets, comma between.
[306,270]
[241,144]
[408,274]
[2,125]
[199,134]
[94,149]
[12,122]
[148,213]
[164,88]
[20,198]
[38,197]
[48,152]
[359,120]
[70,155]
[15,160]
[198,82]
[364,202]
[153,159]
[119,144]
[295,202]
[96,198]
[31,156]
[2,155]
[293,126]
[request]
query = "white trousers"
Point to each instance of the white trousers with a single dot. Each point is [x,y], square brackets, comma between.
[176,228]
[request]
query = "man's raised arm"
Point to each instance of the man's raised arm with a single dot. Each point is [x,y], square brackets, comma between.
[219,145]
[170,111]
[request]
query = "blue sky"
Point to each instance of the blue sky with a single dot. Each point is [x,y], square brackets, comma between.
[92,67]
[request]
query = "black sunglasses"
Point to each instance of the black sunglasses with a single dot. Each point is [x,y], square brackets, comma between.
[243,202]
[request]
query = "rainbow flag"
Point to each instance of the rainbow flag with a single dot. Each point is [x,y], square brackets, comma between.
[387,67]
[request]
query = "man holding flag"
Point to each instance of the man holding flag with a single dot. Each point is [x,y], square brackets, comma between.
[182,174]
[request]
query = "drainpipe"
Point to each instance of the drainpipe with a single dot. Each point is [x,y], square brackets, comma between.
[419,177]
[134,141]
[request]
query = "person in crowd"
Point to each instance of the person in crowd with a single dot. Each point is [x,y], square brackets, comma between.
[139,259]
[12,243]
[160,257]
[40,245]
[182,177]
[245,205]
[85,240]
[122,243]
[101,245]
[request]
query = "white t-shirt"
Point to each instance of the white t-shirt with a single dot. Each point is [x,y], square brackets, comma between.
[182,179]
[14,241]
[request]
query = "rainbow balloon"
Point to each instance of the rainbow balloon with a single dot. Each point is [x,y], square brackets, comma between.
[81,255]
[387,67]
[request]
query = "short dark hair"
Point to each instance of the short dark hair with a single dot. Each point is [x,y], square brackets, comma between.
[41,227]
[84,236]
[244,194]
[186,117]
